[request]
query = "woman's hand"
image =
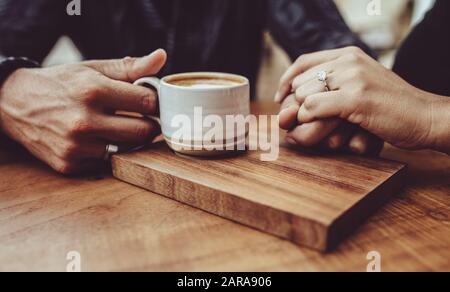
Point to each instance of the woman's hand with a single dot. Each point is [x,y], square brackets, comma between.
[364,93]
[331,134]
[65,115]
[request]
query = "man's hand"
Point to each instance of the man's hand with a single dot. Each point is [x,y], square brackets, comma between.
[65,115]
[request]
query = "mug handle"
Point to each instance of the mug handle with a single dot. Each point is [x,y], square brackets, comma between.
[152,81]
[156,84]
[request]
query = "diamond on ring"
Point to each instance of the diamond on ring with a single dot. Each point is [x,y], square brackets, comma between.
[322,75]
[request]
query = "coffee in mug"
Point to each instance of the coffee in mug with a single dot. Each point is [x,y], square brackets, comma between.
[204,82]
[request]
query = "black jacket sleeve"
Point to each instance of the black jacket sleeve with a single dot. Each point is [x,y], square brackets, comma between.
[30,28]
[424,58]
[305,26]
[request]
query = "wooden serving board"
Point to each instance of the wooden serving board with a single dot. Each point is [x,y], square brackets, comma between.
[309,199]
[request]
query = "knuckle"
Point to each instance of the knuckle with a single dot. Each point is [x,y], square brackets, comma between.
[69,150]
[356,73]
[91,90]
[355,50]
[127,65]
[79,125]
[304,58]
[75,70]
[352,58]
[128,62]
[299,94]
[355,57]
[142,132]
[149,102]
[64,167]
[310,103]
[289,101]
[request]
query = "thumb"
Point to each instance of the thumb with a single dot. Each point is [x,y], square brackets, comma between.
[130,69]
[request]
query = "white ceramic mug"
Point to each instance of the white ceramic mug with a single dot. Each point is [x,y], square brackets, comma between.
[181,103]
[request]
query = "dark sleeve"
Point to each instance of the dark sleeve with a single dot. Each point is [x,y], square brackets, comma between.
[30,28]
[305,26]
[424,58]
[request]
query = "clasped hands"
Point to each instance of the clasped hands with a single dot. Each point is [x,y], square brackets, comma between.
[361,105]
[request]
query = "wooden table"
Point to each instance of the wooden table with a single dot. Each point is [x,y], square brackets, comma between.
[117,227]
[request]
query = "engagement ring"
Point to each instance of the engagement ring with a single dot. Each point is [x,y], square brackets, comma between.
[323,77]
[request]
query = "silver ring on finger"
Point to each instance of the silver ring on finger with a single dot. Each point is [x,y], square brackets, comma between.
[322,76]
[109,151]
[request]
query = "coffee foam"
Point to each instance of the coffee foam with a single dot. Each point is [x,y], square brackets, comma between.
[204,82]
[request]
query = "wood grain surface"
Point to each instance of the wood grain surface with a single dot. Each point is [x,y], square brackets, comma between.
[119,227]
[310,199]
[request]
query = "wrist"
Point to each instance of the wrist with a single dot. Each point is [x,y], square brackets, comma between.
[10,65]
[8,70]
[439,133]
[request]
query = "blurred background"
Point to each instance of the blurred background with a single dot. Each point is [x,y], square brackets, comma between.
[383,32]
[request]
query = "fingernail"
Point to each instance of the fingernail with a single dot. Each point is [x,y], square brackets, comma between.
[357,147]
[333,143]
[155,52]
[277,97]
